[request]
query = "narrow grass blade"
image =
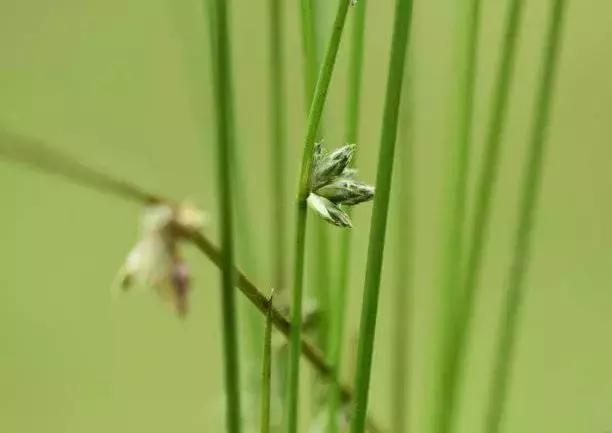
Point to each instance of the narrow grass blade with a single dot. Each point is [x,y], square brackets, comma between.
[339,292]
[266,371]
[402,312]
[314,118]
[401,31]
[454,202]
[277,151]
[506,340]
[222,77]
[309,46]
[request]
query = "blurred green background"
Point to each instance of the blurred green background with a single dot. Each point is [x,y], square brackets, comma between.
[125,87]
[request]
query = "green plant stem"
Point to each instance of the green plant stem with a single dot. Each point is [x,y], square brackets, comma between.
[404,267]
[314,118]
[35,154]
[401,32]
[309,45]
[457,322]
[455,199]
[224,114]
[338,305]
[320,237]
[278,172]
[506,340]
[266,373]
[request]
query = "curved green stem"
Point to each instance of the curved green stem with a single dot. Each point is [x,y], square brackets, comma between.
[314,118]
[506,340]
[401,31]
[340,287]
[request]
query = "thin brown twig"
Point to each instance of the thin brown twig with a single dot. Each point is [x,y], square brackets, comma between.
[34,153]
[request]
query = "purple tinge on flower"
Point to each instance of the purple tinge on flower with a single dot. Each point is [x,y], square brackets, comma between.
[154,262]
[181,280]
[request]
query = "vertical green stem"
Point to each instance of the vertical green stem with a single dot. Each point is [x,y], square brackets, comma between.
[339,293]
[458,320]
[244,238]
[277,154]
[266,371]
[455,200]
[309,45]
[402,297]
[506,340]
[401,31]
[224,115]
[314,118]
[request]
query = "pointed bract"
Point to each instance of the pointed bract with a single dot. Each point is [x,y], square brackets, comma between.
[329,211]
[346,191]
[332,165]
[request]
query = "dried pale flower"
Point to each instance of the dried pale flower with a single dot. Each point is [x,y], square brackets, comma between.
[346,191]
[155,262]
[329,211]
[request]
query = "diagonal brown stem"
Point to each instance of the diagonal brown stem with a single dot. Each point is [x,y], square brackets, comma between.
[36,154]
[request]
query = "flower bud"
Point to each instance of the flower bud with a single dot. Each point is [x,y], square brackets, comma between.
[329,211]
[346,191]
[332,165]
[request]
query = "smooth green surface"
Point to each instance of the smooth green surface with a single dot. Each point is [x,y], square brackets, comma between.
[378,226]
[452,247]
[224,110]
[402,313]
[459,310]
[125,86]
[312,126]
[339,286]
[507,337]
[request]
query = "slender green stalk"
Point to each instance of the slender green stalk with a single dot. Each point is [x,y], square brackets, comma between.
[506,340]
[35,154]
[404,267]
[401,32]
[314,117]
[240,203]
[266,373]
[457,320]
[320,237]
[338,305]
[224,114]
[453,225]
[277,154]
[309,45]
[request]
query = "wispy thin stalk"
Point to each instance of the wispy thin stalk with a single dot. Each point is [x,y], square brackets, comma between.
[244,235]
[35,154]
[509,320]
[457,321]
[399,43]
[277,151]
[309,50]
[266,371]
[401,315]
[222,77]
[455,199]
[311,35]
[338,304]
[314,118]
